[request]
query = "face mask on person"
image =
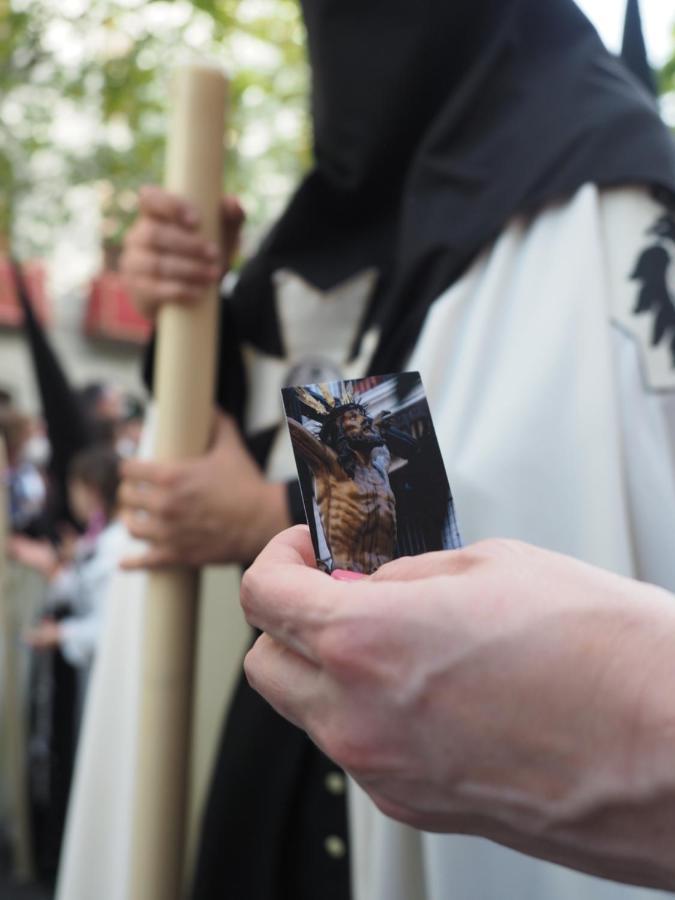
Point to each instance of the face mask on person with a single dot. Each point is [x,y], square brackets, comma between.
[36,451]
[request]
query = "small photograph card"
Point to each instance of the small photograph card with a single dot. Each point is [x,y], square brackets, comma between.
[371,472]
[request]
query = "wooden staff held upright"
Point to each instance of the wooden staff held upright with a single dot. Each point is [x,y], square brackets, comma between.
[184,389]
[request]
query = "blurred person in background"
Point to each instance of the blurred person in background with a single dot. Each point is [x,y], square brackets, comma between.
[65,639]
[114,415]
[489,192]
[27,453]
[78,576]
[129,427]
[103,406]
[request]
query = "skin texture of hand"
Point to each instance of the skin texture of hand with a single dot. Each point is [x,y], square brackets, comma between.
[500,690]
[213,509]
[38,555]
[165,260]
[44,636]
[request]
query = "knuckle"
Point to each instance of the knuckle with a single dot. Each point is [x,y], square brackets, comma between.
[176,291]
[171,266]
[338,648]
[496,548]
[167,476]
[165,506]
[142,232]
[154,233]
[166,290]
[251,589]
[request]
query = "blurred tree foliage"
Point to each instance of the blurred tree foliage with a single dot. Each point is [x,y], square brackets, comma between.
[83,101]
[666,77]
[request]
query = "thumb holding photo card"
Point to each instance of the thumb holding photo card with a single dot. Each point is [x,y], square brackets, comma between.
[371,473]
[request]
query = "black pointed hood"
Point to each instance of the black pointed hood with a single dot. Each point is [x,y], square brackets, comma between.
[68,430]
[435,124]
[633,49]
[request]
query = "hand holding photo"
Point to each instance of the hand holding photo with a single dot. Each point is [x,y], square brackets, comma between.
[371,473]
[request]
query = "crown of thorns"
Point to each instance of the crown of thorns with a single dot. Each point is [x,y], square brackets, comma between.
[324,407]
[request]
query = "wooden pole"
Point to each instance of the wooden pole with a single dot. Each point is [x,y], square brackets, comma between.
[184,389]
[15,708]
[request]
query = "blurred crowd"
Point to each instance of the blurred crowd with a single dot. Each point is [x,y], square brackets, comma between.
[66,532]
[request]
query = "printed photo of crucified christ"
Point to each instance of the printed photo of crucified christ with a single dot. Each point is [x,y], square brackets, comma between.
[371,473]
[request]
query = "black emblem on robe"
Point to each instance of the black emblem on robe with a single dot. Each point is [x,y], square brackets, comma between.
[656,296]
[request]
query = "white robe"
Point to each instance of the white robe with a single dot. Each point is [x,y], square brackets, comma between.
[84,586]
[556,419]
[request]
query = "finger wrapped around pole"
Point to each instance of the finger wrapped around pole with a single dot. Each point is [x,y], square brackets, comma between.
[184,387]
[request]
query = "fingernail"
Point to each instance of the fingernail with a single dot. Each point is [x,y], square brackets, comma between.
[212,250]
[346,575]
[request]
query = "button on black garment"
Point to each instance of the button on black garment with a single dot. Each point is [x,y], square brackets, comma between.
[335,782]
[317,858]
[269,814]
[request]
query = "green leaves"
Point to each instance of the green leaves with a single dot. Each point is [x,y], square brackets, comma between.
[84,92]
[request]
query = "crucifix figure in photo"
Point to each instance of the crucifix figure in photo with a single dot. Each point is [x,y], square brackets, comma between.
[350,461]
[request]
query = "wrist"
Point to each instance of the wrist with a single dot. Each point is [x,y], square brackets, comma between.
[630,789]
[653,702]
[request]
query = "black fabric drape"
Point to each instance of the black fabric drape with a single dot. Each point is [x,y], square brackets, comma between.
[68,430]
[435,124]
[268,813]
[51,752]
[633,49]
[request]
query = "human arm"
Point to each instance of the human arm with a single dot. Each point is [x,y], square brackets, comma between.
[39,555]
[46,635]
[316,454]
[500,690]
[212,509]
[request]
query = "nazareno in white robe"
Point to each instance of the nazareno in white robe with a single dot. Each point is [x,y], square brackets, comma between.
[557,423]
[556,419]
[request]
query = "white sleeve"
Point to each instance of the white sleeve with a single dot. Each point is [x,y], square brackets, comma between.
[62,588]
[79,638]
[80,633]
